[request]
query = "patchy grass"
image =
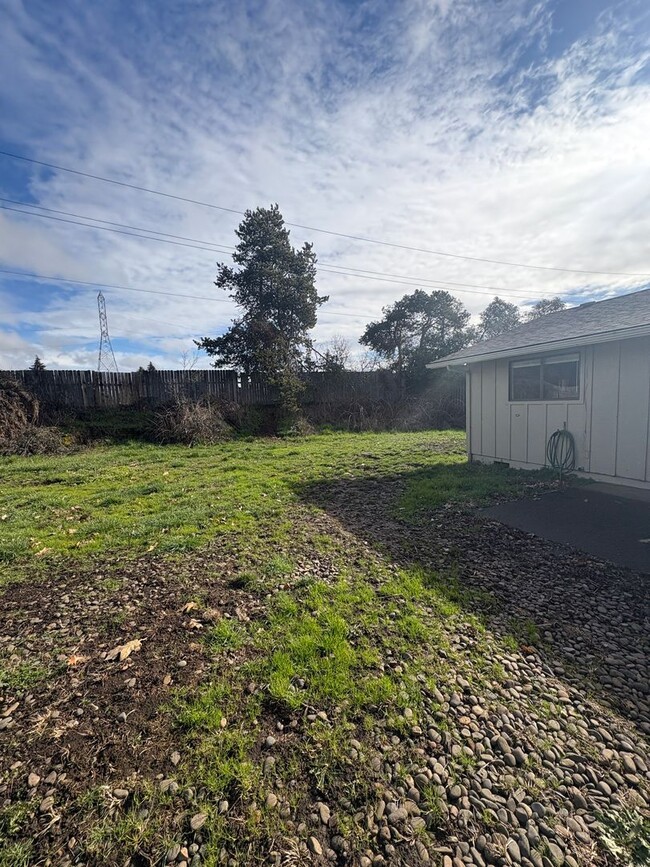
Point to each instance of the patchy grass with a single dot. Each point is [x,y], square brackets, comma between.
[316,661]
[139,498]
[447,483]
[14,820]
[339,664]
[17,676]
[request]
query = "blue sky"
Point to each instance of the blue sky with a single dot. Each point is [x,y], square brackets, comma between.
[496,129]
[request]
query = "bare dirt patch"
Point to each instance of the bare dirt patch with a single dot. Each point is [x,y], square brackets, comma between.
[72,717]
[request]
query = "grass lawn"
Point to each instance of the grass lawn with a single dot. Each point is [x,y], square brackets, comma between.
[141,498]
[314,659]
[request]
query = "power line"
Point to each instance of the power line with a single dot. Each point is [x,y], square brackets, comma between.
[344,271]
[225,247]
[145,291]
[111,223]
[359,238]
[108,229]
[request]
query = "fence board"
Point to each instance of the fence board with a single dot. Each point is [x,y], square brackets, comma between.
[83,389]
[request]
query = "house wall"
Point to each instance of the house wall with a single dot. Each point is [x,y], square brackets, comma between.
[610,423]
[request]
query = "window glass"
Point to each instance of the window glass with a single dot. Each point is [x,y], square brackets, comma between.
[560,379]
[525,380]
[553,378]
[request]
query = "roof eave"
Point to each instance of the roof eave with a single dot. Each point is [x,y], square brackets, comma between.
[548,346]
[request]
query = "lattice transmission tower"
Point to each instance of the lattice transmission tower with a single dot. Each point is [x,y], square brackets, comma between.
[106,359]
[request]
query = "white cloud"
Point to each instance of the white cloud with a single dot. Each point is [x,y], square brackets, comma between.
[416,123]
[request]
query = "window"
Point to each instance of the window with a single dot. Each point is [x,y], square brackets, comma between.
[553,378]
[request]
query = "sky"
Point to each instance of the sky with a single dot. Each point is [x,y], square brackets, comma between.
[489,129]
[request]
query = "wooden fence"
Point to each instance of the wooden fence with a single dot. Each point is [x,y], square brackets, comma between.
[80,389]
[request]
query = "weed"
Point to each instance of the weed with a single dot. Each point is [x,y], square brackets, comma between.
[112,836]
[226,635]
[434,808]
[524,630]
[14,817]
[626,835]
[278,567]
[21,676]
[15,854]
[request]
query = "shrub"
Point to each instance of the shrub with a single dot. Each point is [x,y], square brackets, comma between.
[18,409]
[190,423]
[34,440]
[19,430]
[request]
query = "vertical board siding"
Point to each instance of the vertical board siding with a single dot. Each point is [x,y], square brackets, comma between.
[610,423]
[476,409]
[536,433]
[518,432]
[556,417]
[502,414]
[576,422]
[631,440]
[604,408]
[488,405]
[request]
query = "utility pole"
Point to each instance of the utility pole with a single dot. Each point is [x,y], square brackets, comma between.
[106,359]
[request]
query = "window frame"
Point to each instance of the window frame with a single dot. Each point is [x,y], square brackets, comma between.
[541,360]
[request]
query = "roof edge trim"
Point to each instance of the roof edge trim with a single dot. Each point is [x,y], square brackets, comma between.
[549,346]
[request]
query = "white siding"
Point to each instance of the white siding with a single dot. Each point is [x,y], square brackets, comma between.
[502,418]
[610,423]
[518,432]
[536,433]
[632,434]
[556,416]
[475,410]
[488,403]
[604,408]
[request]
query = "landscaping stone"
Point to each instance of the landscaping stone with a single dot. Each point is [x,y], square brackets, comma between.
[530,718]
[197,821]
[315,846]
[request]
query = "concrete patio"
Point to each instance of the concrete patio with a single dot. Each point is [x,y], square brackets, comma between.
[611,522]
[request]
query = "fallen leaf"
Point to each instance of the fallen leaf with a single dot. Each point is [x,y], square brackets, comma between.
[42,552]
[123,651]
[76,660]
[194,624]
[189,606]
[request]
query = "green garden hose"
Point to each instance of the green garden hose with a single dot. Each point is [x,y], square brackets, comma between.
[561,451]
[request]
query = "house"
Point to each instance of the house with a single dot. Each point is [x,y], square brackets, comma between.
[587,367]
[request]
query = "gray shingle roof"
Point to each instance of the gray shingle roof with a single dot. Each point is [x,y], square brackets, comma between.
[580,323]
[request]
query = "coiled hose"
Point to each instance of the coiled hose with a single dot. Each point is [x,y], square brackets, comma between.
[561,451]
